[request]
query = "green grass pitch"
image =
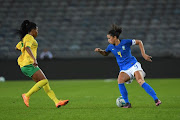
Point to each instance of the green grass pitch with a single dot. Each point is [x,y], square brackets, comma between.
[90,100]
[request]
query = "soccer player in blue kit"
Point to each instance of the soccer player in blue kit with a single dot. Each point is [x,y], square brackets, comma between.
[129,66]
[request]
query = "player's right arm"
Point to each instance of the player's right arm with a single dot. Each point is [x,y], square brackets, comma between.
[27,45]
[28,49]
[102,52]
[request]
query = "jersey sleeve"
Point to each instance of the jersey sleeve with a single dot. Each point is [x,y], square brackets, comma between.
[130,42]
[108,49]
[19,45]
[28,41]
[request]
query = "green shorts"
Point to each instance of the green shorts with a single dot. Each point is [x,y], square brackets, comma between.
[29,70]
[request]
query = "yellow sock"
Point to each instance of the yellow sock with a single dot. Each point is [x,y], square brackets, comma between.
[36,87]
[50,93]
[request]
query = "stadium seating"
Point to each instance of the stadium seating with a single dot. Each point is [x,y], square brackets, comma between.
[73,28]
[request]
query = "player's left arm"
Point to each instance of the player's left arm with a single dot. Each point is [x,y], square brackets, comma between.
[141,46]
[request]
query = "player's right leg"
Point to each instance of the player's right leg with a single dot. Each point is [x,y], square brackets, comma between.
[122,78]
[40,80]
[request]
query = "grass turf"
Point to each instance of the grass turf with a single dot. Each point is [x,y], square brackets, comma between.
[90,100]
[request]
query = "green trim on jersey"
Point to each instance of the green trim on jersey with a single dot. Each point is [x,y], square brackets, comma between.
[22,46]
[29,70]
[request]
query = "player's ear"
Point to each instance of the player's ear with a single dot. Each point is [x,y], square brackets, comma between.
[115,37]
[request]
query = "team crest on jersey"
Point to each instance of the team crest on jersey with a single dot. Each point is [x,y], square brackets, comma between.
[123,47]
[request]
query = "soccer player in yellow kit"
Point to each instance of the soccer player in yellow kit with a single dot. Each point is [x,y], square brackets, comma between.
[28,63]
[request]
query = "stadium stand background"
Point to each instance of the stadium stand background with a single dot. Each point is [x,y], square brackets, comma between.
[73,28]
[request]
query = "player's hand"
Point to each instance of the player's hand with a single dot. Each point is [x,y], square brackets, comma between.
[97,49]
[35,63]
[147,57]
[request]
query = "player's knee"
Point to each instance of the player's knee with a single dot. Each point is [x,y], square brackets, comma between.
[121,81]
[140,81]
[46,87]
[45,81]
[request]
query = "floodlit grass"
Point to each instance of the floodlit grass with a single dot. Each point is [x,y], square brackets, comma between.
[90,100]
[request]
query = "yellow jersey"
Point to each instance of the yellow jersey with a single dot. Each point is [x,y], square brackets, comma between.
[25,59]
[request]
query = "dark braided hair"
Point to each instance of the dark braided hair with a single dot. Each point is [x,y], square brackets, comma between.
[25,28]
[115,30]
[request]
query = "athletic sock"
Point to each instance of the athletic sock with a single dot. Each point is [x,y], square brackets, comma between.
[149,90]
[36,87]
[50,93]
[123,92]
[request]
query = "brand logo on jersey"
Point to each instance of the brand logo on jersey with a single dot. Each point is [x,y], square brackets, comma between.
[123,47]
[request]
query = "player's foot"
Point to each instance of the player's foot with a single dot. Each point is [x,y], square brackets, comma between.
[26,100]
[158,102]
[61,103]
[127,105]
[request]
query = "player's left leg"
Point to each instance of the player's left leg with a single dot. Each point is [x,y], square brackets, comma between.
[51,95]
[140,79]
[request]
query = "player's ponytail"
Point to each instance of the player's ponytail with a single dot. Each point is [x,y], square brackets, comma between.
[25,28]
[115,30]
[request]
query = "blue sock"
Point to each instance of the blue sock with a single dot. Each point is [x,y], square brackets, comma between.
[123,92]
[149,90]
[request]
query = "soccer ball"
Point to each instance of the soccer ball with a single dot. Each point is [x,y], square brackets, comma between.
[120,101]
[2,79]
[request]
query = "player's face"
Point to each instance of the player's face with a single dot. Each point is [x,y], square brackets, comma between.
[35,32]
[111,39]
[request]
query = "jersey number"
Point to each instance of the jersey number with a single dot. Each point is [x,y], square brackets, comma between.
[119,53]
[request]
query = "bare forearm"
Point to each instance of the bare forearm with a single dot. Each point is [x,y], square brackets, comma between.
[141,46]
[30,53]
[103,52]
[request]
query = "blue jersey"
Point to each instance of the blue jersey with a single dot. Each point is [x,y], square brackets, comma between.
[122,52]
